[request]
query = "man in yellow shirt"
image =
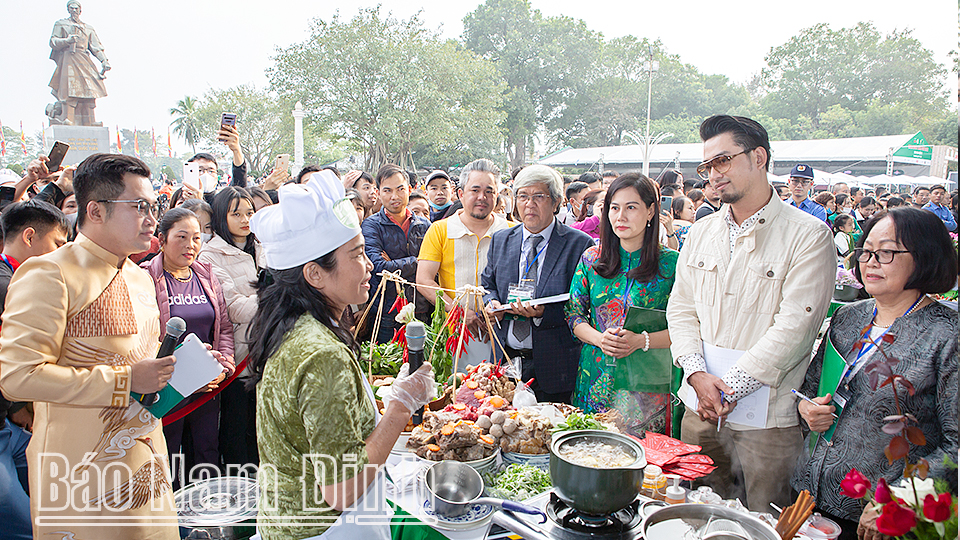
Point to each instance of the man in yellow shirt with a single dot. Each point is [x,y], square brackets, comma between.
[456,248]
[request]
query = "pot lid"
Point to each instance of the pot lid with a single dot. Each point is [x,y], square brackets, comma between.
[217,501]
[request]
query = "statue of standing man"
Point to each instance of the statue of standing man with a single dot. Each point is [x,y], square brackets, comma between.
[76,83]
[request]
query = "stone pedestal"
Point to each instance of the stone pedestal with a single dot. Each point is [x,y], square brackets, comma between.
[84,141]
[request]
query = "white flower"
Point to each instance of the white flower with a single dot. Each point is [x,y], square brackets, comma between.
[406,314]
[905,491]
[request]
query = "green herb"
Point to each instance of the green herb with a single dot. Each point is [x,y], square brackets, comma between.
[519,482]
[577,421]
[387,358]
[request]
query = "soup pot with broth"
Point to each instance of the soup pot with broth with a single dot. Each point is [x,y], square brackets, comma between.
[596,472]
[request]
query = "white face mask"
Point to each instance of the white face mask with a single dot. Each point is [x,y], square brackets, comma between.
[508,206]
[205,237]
[208,182]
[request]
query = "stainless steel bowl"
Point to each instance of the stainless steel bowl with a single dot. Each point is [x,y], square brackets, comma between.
[698,515]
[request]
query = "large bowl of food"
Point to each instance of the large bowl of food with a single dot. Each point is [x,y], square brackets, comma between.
[596,472]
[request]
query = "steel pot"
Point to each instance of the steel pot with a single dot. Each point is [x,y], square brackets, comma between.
[452,488]
[656,526]
[591,490]
[222,508]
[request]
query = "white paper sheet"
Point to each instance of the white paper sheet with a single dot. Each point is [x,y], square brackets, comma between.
[751,410]
[195,366]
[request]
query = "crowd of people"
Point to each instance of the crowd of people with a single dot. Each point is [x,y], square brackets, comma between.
[275,277]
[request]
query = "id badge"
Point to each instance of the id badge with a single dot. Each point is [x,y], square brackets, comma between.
[519,292]
[841,396]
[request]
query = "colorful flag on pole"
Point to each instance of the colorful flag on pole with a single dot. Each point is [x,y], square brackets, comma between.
[119,144]
[136,142]
[153,135]
[23,139]
[169,146]
[43,135]
[3,142]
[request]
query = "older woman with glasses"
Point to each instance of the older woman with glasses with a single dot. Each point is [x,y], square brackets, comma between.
[906,255]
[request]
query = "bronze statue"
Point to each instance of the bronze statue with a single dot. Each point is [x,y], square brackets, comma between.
[76,83]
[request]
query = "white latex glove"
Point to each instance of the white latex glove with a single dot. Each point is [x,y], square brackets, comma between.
[412,391]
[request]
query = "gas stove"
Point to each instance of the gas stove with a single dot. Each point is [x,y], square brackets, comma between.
[566,523]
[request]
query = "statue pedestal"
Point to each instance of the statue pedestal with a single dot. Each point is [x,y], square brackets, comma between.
[84,141]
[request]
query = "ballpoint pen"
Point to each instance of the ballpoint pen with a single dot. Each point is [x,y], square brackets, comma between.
[720,419]
[808,400]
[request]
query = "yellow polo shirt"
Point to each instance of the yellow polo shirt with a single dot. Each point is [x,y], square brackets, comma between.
[462,256]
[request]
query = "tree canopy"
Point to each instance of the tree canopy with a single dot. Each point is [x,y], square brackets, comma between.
[392,87]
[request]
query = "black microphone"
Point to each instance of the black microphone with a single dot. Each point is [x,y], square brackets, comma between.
[175,328]
[415,333]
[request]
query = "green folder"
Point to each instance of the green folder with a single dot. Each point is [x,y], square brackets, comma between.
[650,371]
[833,368]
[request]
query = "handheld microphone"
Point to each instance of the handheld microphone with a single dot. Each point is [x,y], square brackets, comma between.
[175,328]
[415,333]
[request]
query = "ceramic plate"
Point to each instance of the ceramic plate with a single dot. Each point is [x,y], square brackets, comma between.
[478,516]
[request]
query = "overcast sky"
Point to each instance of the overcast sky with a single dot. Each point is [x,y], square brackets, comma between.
[162,51]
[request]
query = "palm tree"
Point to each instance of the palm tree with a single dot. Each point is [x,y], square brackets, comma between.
[186,121]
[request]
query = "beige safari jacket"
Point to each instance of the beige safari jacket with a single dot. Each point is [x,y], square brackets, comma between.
[769,300]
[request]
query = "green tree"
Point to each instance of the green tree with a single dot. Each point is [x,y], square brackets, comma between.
[186,122]
[616,101]
[850,67]
[265,123]
[391,87]
[545,61]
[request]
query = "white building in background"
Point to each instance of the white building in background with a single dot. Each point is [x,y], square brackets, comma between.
[893,155]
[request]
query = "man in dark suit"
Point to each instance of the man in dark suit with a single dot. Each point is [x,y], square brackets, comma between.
[540,257]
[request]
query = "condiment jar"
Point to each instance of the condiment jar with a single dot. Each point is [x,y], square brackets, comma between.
[654,483]
[675,494]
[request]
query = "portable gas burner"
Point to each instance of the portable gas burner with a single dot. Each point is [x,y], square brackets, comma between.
[567,523]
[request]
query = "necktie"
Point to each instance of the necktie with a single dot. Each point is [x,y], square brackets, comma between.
[521,327]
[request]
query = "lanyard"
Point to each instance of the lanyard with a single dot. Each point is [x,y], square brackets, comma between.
[531,263]
[867,346]
[12,263]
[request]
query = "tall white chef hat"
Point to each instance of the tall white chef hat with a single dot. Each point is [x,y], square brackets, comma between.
[311,220]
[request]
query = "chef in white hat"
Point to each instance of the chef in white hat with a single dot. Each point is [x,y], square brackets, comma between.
[314,405]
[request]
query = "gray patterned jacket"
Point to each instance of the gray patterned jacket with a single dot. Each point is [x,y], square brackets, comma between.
[926,344]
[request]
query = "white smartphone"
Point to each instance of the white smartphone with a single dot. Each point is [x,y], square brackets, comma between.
[191,176]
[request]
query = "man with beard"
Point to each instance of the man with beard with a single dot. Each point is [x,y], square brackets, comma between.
[753,285]
[455,249]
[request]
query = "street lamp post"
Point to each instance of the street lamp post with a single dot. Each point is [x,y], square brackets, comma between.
[651,67]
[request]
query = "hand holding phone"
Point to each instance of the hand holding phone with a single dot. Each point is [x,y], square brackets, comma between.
[282,162]
[57,153]
[228,119]
[666,203]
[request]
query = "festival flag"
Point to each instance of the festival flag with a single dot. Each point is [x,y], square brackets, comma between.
[153,135]
[136,142]
[3,142]
[43,135]
[119,144]
[169,146]
[23,139]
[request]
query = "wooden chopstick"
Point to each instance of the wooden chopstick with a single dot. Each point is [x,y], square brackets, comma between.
[793,517]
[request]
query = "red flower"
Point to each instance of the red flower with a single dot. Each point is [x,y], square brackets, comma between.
[937,509]
[896,520]
[855,485]
[883,495]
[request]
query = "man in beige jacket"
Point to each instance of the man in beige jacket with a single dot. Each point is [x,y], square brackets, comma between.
[754,282]
[80,332]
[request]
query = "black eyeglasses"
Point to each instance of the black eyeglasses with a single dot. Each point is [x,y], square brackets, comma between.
[884,256]
[720,163]
[143,206]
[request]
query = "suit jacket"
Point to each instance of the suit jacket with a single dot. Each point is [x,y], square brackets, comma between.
[556,354]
